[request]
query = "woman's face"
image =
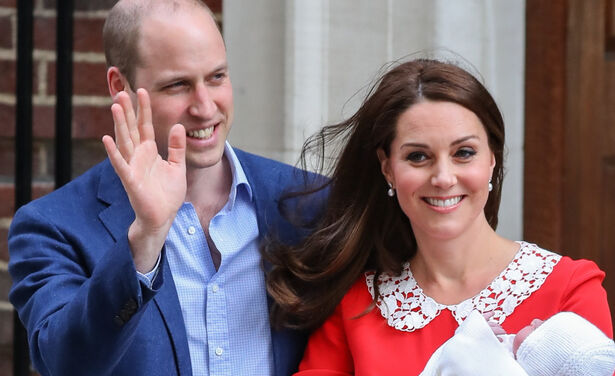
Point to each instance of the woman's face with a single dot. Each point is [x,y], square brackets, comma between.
[440,164]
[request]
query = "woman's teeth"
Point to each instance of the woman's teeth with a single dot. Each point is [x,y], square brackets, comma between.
[443,203]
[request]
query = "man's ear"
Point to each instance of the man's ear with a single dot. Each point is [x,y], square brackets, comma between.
[385,166]
[116,81]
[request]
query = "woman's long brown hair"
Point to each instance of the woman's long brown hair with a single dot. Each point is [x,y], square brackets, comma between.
[362,228]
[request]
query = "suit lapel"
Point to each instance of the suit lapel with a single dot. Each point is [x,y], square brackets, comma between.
[118,215]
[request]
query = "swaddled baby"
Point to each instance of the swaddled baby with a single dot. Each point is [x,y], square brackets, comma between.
[564,345]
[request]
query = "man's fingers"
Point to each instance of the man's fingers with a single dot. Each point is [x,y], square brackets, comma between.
[177,145]
[144,116]
[117,160]
[123,99]
[122,135]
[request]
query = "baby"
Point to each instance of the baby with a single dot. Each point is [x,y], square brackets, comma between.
[564,345]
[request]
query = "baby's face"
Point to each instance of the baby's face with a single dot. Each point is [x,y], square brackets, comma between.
[523,333]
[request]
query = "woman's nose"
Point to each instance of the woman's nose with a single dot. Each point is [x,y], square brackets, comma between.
[444,175]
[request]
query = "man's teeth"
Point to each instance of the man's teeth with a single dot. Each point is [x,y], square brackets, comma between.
[443,203]
[202,133]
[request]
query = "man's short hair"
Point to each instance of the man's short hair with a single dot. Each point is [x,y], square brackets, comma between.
[121,31]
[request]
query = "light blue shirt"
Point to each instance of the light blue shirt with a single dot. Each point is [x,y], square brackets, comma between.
[225,312]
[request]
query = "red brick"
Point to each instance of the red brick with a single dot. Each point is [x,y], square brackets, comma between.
[88,121]
[92,122]
[7,200]
[7,156]
[7,84]
[88,34]
[6,32]
[43,121]
[36,77]
[40,189]
[87,154]
[6,358]
[45,33]
[4,253]
[88,79]
[6,326]
[5,283]
[7,125]
[8,3]
[43,159]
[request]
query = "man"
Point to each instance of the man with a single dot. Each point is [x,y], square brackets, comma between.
[148,264]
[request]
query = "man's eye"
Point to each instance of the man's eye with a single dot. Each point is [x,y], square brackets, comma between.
[175,85]
[218,77]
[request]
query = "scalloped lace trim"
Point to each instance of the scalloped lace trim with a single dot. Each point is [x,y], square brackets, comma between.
[405,307]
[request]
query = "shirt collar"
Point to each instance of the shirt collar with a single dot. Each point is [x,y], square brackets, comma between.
[239,176]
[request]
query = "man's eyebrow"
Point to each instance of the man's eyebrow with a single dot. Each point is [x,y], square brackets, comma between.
[223,66]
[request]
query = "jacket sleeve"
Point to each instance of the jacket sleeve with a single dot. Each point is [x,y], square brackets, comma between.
[585,295]
[75,290]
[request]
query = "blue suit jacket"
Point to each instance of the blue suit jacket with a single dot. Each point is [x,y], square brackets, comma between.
[75,284]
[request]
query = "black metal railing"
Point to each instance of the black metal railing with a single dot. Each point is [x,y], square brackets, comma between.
[64,92]
[23,127]
[23,151]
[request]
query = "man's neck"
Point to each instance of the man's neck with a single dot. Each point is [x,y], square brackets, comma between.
[208,188]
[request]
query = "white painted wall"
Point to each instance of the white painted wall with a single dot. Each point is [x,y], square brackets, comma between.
[299,64]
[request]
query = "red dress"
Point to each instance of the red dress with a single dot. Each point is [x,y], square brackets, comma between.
[399,335]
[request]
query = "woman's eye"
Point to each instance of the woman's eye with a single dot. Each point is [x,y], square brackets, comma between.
[416,157]
[465,153]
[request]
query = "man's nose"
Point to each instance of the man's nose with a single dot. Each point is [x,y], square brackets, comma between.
[203,104]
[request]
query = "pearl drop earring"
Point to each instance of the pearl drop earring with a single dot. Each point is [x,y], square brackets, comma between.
[490,186]
[391,191]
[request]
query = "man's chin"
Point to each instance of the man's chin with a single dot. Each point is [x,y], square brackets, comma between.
[204,161]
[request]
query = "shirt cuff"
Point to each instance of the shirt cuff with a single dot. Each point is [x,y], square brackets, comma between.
[149,277]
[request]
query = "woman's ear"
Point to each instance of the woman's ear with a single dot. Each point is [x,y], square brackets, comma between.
[385,166]
[492,163]
[116,81]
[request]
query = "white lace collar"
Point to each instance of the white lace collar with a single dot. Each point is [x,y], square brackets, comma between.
[405,307]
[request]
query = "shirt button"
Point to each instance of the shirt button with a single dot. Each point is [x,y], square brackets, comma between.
[191,230]
[215,288]
[219,351]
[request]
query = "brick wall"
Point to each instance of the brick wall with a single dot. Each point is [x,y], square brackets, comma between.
[91,115]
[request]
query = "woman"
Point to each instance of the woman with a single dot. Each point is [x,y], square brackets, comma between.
[407,247]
